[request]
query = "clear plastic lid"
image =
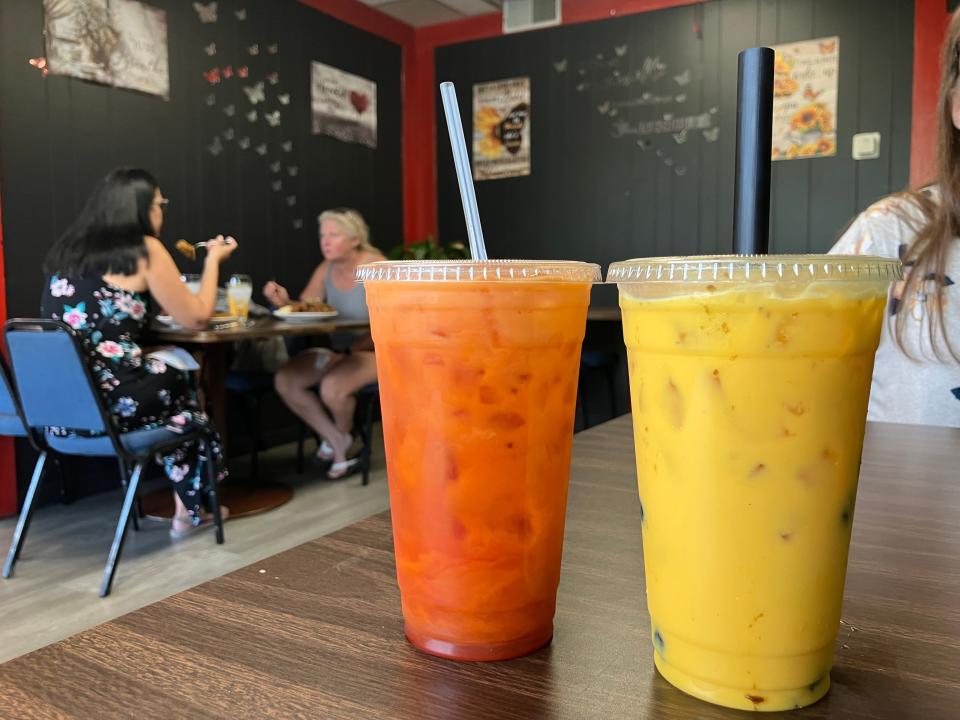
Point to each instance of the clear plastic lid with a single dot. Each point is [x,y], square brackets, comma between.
[756,268]
[479,270]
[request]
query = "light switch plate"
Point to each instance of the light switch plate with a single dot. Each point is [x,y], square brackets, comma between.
[866,146]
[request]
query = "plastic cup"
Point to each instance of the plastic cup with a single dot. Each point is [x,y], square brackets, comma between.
[749,380]
[477,363]
[239,292]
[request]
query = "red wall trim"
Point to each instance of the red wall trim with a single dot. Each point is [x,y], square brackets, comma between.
[8,466]
[929,28]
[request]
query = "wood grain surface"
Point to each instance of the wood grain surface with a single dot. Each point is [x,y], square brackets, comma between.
[316,632]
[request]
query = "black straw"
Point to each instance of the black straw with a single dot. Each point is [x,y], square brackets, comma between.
[751,201]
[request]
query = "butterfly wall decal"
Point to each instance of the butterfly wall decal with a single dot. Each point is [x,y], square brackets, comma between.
[244,143]
[229,110]
[227,72]
[261,149]
[273,78]
[251,116]
[620,50]
[212,76]
[228,134]
[254,49]
[287,146]
[210,49]
[560,66]
[207,12]
[297,223]
[272,118]
[255,93]
[275,167]
[276,185]
[241,14]
[284,98]
[216,147]
[273,49]
[291,200]
[243,72]
[293,170]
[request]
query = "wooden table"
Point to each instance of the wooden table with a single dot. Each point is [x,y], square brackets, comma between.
[315,632]
[242,499]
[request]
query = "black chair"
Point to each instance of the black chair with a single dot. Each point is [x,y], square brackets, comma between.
[368,403]
[604,361]
[57,389]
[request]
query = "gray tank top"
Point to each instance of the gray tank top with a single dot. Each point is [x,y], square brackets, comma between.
[352,305]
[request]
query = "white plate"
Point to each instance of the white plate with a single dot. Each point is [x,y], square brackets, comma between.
[303,317]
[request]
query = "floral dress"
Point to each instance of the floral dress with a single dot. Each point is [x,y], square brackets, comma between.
[141,393]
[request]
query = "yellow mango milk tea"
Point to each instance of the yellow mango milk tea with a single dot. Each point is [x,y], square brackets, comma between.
[749,381]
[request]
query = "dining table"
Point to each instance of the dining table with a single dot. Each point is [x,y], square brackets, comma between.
[317,631]
[211,345]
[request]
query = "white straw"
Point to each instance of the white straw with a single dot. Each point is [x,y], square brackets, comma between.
[464,175]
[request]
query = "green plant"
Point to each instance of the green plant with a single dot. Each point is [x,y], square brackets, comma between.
[429,249]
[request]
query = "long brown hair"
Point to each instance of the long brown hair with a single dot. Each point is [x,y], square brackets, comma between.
[926,257]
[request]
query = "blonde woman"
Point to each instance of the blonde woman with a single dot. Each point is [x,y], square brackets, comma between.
[345,243]
[916,377]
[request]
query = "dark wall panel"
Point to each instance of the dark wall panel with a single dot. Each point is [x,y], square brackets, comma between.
[58,136]
[593,196]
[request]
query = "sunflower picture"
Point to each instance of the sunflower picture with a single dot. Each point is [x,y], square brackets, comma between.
[805,99]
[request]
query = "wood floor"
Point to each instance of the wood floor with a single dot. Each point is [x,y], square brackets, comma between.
[53,593]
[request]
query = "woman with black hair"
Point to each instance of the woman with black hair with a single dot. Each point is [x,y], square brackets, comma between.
[103,275]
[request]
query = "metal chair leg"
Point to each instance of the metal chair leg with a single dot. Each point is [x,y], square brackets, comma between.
[213,495]
[121,532]
[301,436]
[368,438]
[124,479]
[23,523]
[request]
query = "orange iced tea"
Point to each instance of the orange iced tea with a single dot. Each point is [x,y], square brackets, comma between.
[478,383]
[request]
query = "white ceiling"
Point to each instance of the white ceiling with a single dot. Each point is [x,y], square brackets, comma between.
[430,12]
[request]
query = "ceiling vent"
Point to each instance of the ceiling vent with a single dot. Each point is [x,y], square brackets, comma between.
[520,15]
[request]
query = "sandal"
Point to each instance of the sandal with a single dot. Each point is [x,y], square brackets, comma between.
[324,453]
[340,470]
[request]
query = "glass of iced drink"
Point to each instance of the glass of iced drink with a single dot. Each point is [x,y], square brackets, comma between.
[477,363]
[749,380]
[239,291]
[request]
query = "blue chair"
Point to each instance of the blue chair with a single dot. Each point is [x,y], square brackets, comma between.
[57,389]
[12,424]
